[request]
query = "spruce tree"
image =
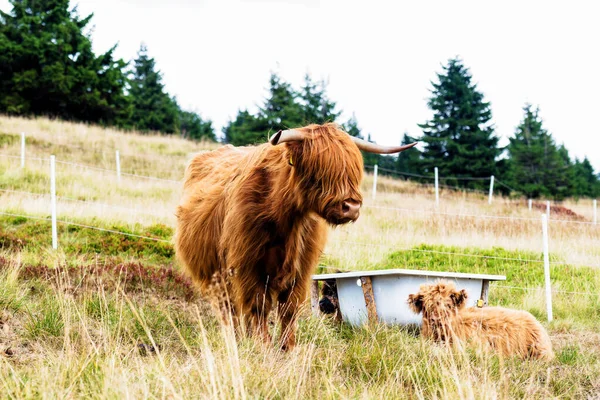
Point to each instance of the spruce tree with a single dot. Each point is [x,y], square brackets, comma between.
[409,161]
[246,129]
[565,184]
[351,127]
[536,167]
[317,108]
[586,182]
[285,108]
[192,126]
[153,108]
[281,110]
[47,66]
[371,159]
[459,139]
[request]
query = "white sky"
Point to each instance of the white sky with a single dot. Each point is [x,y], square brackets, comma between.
[379,57]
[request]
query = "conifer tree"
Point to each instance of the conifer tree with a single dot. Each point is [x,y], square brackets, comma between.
[409,161]
[459,139]
[281,110]
[47,66]
[586,182]
[192,126]
[536,167]
[317,108]
[285,108]
[153,108]
[246,129]
[351,127]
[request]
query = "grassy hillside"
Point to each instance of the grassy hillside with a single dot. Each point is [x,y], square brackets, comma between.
[109,315]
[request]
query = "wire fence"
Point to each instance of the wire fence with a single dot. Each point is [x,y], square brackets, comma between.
[355,243]
[71,199]
[368,244]
[94,168]
[19,157]
[453,178]
[483,216]
[113,171]
[458,178]
[506,186]
[366,206]
[540,288]
[97,228]
[399,172]
[449,253]
[500,286]
[111,153]
[372,244]
[117,173]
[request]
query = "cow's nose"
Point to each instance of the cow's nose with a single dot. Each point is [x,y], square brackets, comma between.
[350,209]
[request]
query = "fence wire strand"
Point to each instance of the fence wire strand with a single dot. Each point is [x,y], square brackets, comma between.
[86,226]
[371,244]
[389,208]
[439,252]
[484,216]
[70,199]
[94,168]
[540,288]
[399,172]
[26,157]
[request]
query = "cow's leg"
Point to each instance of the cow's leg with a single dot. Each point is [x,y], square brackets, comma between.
[219,293]
[289,302]
[255,306]
[287,317]
[303,248]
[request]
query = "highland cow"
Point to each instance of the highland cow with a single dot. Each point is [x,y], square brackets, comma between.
[505,331]
[254,219]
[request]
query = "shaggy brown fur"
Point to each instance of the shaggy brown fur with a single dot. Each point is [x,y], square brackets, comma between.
[257,222]
[509,332]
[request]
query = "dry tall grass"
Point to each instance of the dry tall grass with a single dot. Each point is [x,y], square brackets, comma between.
[60,338]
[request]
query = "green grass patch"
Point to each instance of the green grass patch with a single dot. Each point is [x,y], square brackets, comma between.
[7,139]
[24,180]
[46,321]
[76,241]
[576,289]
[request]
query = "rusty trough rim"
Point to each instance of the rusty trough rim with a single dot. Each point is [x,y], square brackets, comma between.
[413,272]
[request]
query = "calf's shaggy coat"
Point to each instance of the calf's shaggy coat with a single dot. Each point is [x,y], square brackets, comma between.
[447,319]
[253,220]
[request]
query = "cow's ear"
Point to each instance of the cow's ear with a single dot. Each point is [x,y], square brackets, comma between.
[415,302]
[459,298]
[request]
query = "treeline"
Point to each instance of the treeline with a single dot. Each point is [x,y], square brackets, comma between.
[460,141]
[47,67]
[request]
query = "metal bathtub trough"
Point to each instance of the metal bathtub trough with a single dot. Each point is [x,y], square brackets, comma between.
[382,295]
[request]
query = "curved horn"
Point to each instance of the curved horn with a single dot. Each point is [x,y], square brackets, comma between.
[376,148]
[289,135]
